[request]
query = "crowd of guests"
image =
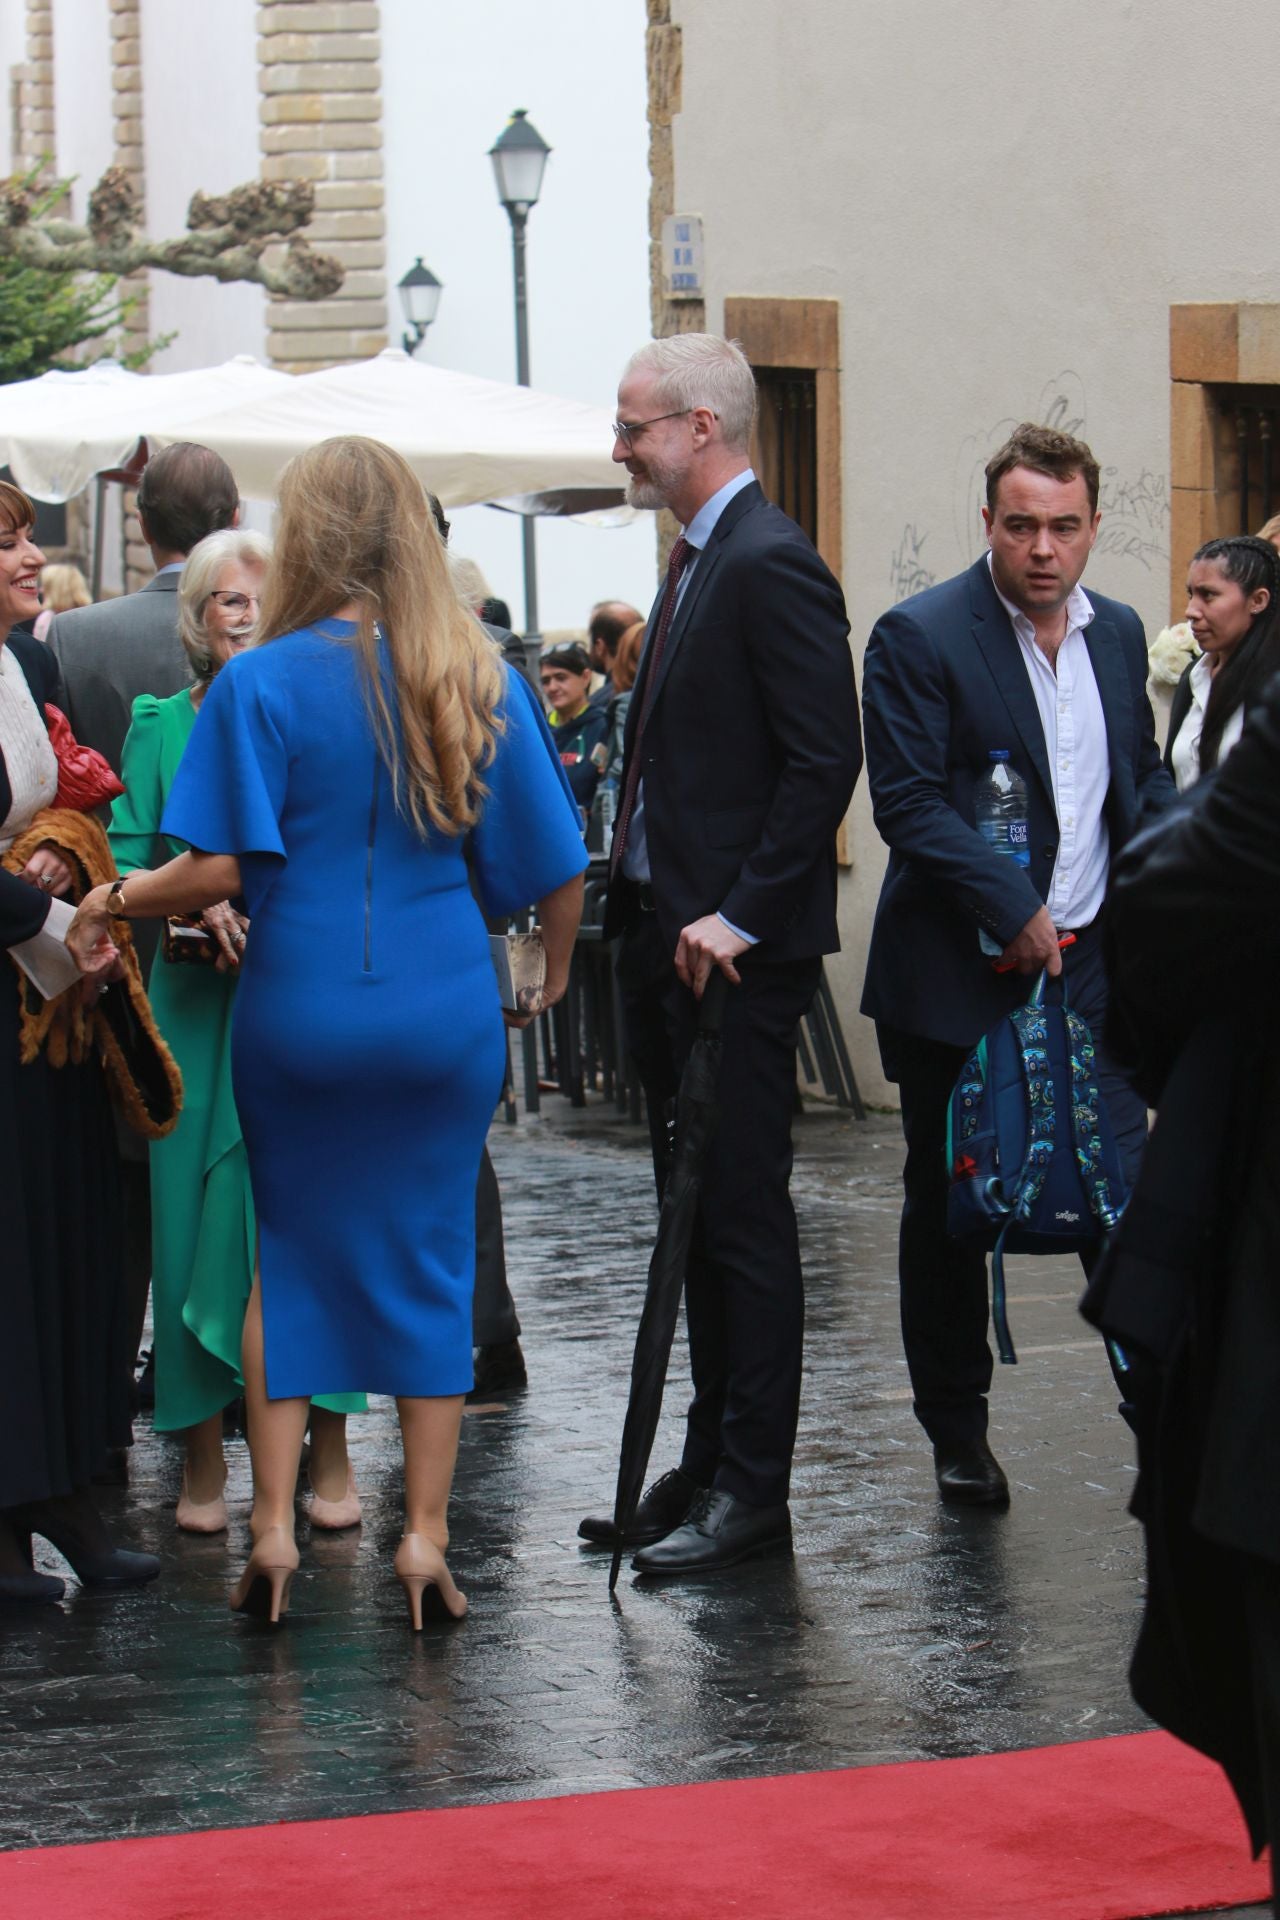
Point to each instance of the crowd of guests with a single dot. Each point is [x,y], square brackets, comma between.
[336,777]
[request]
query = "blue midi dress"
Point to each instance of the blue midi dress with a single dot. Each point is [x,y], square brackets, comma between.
[368,1048]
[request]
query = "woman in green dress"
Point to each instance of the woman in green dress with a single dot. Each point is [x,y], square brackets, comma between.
[203,1227]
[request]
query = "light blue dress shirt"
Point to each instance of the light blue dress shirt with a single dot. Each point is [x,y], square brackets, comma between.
[635,855]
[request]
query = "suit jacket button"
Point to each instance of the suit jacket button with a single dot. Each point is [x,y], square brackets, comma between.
[1050,852]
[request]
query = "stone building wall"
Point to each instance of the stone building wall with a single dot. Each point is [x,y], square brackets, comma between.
[34,130]
[129,153]
[321,120]
[664,63]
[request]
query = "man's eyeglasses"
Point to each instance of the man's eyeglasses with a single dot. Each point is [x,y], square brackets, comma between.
[624,429]
[236,602]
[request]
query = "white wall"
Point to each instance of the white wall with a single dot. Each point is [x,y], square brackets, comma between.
[1005,200]
[82,96]
[451,77]
[200,117]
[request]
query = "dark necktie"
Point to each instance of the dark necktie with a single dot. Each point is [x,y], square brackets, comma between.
[675,567]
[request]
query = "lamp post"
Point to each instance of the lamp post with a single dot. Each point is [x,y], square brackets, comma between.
[519,157]
[420,297]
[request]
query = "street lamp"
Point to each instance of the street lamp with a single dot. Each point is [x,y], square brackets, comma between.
[420,297]
[519,157]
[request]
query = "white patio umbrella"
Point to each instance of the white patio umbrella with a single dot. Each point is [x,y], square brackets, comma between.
[60,430]
[469,440]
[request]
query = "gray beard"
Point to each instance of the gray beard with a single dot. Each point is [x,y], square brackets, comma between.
[645,493]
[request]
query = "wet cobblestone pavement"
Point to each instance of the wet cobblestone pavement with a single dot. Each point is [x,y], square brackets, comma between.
[901,1630]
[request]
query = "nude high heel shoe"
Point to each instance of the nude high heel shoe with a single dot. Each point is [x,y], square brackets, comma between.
[201,1516]
[262,1590]
[427,1582]
[334,1515]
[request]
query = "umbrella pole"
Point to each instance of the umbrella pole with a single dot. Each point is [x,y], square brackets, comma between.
[99,520]
[695,1122]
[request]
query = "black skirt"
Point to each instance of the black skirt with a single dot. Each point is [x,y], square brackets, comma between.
[64,1324]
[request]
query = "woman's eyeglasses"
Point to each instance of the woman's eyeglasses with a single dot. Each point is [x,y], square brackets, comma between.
[236,602]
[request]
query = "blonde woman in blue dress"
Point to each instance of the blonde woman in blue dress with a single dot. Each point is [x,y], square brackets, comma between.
[203,1230]
[346,776]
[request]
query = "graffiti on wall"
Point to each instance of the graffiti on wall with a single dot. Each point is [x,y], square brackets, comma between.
[1135,507]
[908,572]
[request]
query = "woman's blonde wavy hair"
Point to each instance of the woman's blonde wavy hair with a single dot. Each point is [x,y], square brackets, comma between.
[354,524]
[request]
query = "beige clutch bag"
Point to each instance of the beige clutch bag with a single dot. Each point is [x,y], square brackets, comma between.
[520,962]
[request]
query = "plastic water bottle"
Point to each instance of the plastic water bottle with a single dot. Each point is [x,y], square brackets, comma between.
[1000,814]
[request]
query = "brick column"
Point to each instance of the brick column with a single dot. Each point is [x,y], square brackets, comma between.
[664,59]
[128,154]
[665,62]
[321,120]
[34,131]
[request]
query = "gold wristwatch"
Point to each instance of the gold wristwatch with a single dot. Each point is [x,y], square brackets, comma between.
[115,901]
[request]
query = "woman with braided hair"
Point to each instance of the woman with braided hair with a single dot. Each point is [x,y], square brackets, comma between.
[1233,607]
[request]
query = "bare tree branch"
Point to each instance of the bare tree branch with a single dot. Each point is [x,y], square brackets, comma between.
[227,235]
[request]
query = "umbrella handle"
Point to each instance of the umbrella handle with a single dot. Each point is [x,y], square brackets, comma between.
[715,996]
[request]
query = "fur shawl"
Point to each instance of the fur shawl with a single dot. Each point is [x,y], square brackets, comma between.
[141,1071]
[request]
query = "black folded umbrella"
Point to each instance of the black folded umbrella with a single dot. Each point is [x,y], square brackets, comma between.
[696,1116]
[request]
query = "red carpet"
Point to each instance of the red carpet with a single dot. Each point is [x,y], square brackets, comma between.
[1101,1830]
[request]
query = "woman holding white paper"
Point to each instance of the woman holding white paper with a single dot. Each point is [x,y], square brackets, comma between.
[63,1319]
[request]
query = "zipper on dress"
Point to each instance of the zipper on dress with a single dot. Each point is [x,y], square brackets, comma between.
[368,872]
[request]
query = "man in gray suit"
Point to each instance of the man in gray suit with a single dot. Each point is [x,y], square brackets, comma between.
[107,655]
[110,653]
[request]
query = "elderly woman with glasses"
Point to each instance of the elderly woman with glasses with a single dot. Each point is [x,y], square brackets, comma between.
[203,1225]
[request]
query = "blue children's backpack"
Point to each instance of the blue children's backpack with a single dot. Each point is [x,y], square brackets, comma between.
[1031,1156]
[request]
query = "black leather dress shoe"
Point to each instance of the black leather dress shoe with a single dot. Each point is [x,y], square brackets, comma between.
[499,1369]
[969,1474]
[719,1532]
[660,1510]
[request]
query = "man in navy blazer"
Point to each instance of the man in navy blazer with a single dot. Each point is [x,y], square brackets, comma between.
[1010,656]
[741,752]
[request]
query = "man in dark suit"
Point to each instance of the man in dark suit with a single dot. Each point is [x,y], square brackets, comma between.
[110,653]
[1010,656]
[742,748]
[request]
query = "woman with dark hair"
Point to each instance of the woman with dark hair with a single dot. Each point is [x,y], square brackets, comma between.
[346,776]
[1233,608]
[63,1314]
[626,662]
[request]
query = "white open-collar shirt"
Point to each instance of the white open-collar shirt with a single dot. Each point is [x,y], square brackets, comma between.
[1075,737]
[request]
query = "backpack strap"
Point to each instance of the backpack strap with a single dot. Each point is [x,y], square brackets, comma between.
[999,1301]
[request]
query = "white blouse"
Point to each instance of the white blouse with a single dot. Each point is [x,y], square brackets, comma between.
[1186,747]
[32,767]
[28,757]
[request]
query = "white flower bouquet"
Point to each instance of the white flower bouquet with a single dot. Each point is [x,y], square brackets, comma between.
[1168,654]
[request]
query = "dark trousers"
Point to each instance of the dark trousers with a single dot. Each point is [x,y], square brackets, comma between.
[493,1312]
[744,1295]
[943,1283]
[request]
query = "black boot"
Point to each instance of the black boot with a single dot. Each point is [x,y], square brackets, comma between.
[73,1525]
[18,1578]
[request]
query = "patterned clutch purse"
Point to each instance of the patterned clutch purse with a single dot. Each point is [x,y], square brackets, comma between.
[520,962]
[186,941]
